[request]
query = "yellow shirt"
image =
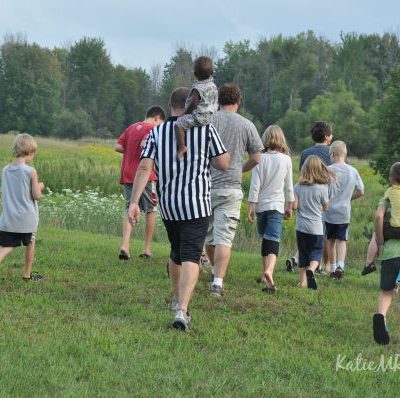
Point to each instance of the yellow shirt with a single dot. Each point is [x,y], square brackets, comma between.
[393,195]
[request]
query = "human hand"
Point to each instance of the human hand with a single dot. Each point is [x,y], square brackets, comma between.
[251,213]
[133,214]
[41,186]
[288,214]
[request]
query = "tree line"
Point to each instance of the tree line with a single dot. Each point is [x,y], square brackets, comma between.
[76,91]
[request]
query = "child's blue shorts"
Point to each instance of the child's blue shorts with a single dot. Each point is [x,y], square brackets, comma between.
[269,225]
[337,231]
[310,247]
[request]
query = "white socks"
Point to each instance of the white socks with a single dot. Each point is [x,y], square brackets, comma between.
[332,268]
[340,264]
[218,281]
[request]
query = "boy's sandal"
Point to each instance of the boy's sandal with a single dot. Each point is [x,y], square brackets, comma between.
[34,276]
[381,336]
[368,269]
[123,255]
[145,255]
[311,282]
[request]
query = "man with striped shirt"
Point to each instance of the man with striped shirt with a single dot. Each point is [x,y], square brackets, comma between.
[183,188]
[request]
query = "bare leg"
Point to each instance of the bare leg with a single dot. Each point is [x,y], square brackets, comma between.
[384,301]
[325,258]
[187,283]
[180,136]
[149,231]
[29,257]
[5,251]
[303,277]
[331,246]
[341,250]
[313,266]
[126,234]
[269,263]
[175,273]
[222,255]
[210,253]
[372,250]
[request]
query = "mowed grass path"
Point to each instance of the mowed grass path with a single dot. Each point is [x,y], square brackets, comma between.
[100,327]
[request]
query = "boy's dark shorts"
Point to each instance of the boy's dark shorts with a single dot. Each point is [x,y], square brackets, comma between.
[337,231]
[389,271]
[310,247]
[186,239]
[15,239]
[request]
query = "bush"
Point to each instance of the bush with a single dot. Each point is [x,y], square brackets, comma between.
[73,124]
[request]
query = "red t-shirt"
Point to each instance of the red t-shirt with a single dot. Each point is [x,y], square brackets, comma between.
[131,139]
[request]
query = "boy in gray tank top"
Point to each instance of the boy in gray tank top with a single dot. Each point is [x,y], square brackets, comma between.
[201,103]
[20,191]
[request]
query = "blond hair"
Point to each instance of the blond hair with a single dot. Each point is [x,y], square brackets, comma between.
[23,145]
[274,140]
[314,171]
[338,149]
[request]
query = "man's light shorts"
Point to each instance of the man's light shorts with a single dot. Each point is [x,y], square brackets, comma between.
[148,200]
[225,204]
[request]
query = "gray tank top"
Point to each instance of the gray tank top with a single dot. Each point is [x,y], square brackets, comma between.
[20,210]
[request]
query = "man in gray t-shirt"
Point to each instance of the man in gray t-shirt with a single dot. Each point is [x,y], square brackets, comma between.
[239,136]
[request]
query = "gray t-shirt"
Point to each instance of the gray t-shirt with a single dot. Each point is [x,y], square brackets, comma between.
[239,135]
[348,179]
[20,210]
[309,213]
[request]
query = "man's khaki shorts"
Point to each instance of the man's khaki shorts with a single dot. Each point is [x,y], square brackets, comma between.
[225,204]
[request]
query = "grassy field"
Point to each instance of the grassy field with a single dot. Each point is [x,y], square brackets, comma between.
[99,327]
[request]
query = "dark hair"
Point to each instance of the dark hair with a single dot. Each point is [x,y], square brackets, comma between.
[154,111]
[203,68]
[229,94]
[320,130]
[394,172]
[178,98]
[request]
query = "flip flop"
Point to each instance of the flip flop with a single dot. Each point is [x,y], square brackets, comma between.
[123,255]
[368,269]
[311,282]
[381,336]
[145,255]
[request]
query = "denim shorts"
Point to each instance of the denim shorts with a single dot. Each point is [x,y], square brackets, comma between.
[269,225]
[389,273]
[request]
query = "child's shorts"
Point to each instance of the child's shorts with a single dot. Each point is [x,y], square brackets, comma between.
[15,239]
[337,231]
[310,247]
[389,273]
[269,225]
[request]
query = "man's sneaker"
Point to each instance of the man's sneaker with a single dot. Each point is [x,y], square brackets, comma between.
[339,273]
[291,264]
[368,269]
[217,291]
[182,320]
[174,305]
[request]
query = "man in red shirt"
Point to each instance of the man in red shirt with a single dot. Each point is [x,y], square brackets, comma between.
[130,144]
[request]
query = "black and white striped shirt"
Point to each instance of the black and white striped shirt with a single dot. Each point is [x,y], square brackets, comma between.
[183,186]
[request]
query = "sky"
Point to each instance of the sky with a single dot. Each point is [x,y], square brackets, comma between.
[145,33]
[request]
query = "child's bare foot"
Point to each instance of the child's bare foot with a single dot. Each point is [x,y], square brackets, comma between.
[181,152]
[269,282]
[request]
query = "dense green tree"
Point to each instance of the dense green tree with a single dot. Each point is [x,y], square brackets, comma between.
[30,87]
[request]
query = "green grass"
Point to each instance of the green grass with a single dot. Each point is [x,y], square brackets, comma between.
[99,327]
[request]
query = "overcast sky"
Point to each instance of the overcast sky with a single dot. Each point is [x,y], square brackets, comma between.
[144,33]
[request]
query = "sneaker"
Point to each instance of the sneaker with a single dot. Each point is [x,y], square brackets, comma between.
[339,273]
[333,275]
[321,272]
[174,305]
[291,264]
[381,335]
[182,321]
[217,291]
[368,269]
[34,276]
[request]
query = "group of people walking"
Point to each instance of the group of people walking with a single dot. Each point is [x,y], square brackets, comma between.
[190,167]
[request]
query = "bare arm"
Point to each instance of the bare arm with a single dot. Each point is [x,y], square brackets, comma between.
[254,159]
[119,148]
[193,104]
[142,177]
[357,194]
[296,202]
[221,162]
[37,187]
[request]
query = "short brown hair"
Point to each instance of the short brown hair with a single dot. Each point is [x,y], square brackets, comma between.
[23,145]
[394,173]
[178,98]
[203,68]
[320,130]
[154,111]
[229,94]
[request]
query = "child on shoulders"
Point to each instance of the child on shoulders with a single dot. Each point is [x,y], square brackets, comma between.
[337,218]
[271,186]
[20,191]
[311,199]
[201,103]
